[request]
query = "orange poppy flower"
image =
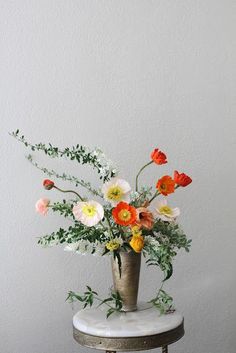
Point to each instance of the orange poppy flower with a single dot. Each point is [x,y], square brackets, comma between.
[166,185]
[182,179]
[158,157]
[124,214]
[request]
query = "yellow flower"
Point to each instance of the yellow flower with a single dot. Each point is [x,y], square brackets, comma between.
[137,243]
[113,244]
[136,230]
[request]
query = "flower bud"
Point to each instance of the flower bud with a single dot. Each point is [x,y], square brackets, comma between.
[158,157]
[48,184]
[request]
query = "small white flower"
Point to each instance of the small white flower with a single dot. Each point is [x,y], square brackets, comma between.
[72,247]
[84,247]
[99,249]
[165,212]
[152,241]
[89,213]
[116,190]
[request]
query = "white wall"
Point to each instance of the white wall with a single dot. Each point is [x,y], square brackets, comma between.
[126,76]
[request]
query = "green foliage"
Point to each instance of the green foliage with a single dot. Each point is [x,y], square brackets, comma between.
[166,239]
[66,177]
[163,302]
[139,198]
[87,298]
[78,153]
[172,234]
[114,301]
[64,208]
[72,235]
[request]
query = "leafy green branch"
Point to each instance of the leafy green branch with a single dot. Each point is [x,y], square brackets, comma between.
[65,177]
[162,244]
[114,301]
[163,302]
[73,234]
[162,257]
[64,208]
[79,153]
[171,233]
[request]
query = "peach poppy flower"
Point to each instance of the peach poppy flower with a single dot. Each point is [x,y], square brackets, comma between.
[41,206]
[144,217]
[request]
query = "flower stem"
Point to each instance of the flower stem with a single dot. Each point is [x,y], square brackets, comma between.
[158,193]
[109,225]
[101,300]
[140,171]
[71,191]
[154,196]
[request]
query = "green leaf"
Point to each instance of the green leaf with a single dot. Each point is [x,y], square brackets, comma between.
[105,301]
[110,312]
[168,272]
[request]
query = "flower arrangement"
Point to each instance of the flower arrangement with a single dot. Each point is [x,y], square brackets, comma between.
[115,218]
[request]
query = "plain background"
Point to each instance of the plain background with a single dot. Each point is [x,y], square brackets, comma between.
[127,76]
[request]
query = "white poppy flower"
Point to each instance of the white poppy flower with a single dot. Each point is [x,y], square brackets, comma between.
[89,213]
[116,190]
[165,212]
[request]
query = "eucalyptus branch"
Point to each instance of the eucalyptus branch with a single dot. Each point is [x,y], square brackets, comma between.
[83,155]
[65,177]
[74,234]
[64,208]
[163,302]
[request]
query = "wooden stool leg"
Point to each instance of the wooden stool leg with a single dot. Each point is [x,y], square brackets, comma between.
[165,349]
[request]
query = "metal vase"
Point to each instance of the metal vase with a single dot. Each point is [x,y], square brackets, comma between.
[127,284]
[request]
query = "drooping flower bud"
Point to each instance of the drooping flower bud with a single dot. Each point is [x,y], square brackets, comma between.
[48,184]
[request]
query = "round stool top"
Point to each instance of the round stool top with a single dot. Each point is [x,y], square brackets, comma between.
[143,322]
[123,332]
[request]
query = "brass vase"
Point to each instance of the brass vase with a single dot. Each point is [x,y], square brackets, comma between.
[127,284]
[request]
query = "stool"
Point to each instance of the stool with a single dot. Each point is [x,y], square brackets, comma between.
[124,332]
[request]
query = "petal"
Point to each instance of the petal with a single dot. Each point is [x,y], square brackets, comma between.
[175,212]
[126,198]
[164,218]
[124,185]
[162,202]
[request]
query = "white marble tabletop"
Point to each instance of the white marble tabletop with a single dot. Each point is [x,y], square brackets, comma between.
[143,322]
